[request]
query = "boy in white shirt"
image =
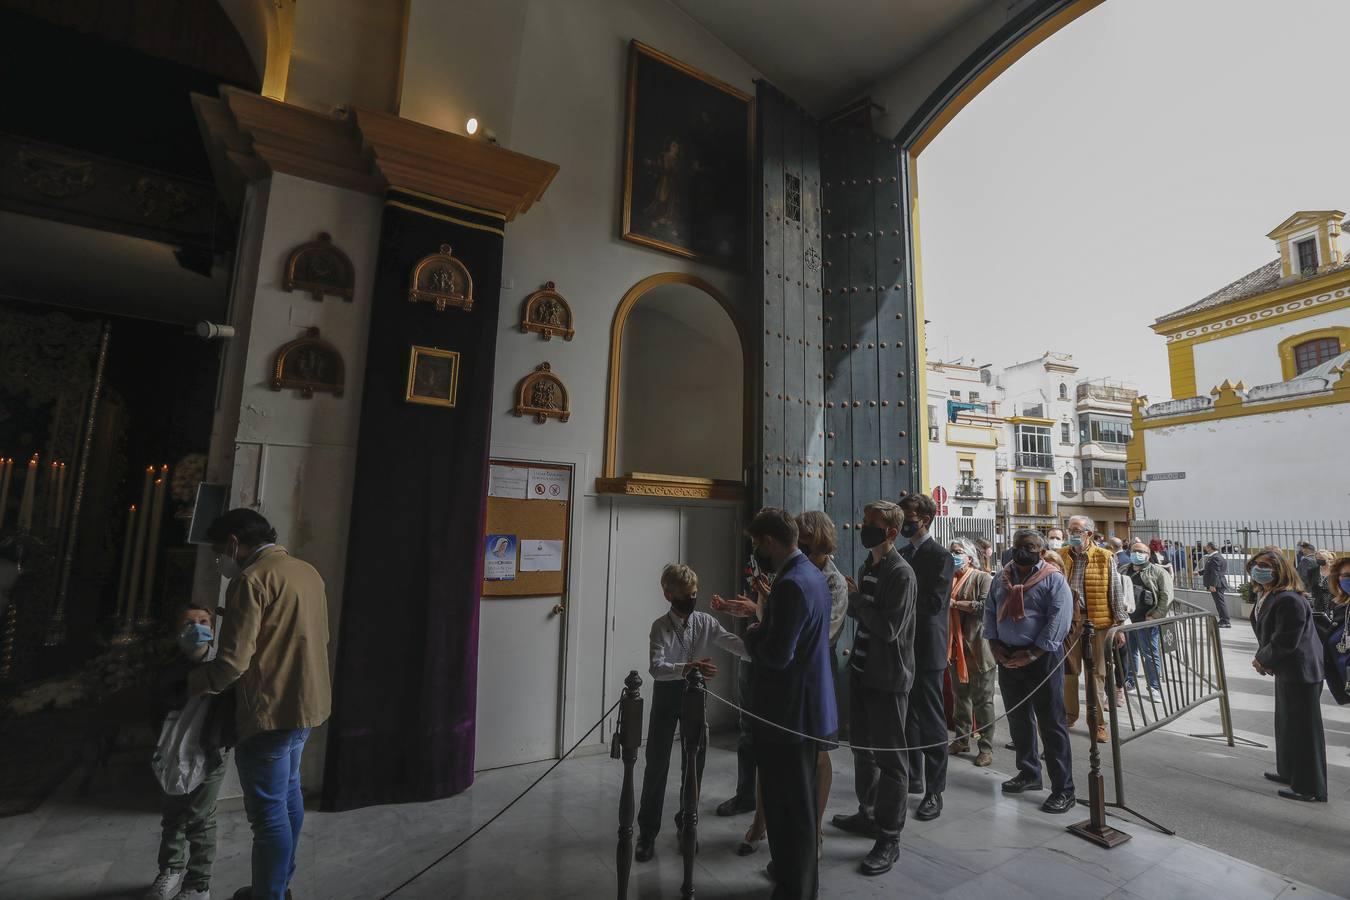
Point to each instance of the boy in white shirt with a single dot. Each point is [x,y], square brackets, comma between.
[679,642]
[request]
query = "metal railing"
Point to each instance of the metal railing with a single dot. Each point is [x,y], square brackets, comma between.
[1178,667]
[1044,461]
[946,528]
[1237,539]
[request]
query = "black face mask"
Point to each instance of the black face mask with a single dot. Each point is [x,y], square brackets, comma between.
[872,536]
[684,606]
[1025,557]
[764,562]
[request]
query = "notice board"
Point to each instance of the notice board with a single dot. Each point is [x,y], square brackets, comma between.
[530,503]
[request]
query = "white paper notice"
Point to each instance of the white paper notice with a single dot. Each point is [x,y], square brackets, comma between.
[550,484]
[541,556]
[508,481]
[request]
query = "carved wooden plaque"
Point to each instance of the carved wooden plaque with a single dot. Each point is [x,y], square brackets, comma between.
[308,365]
[318,268]
[543,395]
[442,280]
[547,313]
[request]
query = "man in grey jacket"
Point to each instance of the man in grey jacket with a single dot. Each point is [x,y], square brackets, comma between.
[1213,573]
[881,672]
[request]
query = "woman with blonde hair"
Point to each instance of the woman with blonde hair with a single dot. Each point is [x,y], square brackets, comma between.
[970,661]
[1289,649]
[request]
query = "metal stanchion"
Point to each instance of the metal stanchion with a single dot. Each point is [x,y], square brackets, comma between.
[1095,828]
[627,740]
[692,731]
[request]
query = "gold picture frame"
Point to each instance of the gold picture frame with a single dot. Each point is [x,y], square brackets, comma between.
[673,164]
[433,377]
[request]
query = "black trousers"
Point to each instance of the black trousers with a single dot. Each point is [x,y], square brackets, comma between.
[926,723]
[787,778]
[745,754]
[881,779]
[1220,607]
[1300,743]
[667,697]
[1046,709]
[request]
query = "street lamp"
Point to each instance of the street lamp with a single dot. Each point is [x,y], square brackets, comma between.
[1137,487]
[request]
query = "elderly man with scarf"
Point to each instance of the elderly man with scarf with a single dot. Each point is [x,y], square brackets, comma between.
[1026,618]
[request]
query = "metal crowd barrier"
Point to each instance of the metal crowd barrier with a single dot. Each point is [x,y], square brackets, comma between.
[1190,671]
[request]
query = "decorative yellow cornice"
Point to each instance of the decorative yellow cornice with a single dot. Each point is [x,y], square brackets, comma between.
[1029,420]
[1230,404]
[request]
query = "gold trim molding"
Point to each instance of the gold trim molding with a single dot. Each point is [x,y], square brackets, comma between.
[248,137]
[676,487]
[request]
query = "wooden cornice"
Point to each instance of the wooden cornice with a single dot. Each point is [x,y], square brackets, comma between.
[249,137]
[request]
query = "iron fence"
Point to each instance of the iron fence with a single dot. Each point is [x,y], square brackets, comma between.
[1237,539]
[945,528]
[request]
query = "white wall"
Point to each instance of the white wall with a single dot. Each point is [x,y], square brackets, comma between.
[293,459]
[681,395]
[1253,356]
[1278,466]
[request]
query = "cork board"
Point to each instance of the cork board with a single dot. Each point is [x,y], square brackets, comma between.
[531,520]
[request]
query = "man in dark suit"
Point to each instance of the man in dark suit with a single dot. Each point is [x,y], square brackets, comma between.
[792,684]
[1307,566]
[1214,576]
[881,670]
[926,723]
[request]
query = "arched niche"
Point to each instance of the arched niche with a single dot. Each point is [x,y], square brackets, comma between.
[676,411]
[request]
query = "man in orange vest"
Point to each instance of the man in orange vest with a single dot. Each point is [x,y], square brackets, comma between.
[1091,573]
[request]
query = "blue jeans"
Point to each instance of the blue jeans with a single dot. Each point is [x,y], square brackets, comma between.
[269,771]
[1143,643]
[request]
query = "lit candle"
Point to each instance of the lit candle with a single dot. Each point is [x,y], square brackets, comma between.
[124,574]
[152,550]
[29,487]
[6,472]
[138,549]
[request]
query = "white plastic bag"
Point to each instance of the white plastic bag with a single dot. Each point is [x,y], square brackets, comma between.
[179,761]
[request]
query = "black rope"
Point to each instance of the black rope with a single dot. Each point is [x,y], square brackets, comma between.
[446,855]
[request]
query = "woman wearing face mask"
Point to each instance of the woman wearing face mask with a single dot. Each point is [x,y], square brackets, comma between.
[971,662]
[1332,631]
[1290,651]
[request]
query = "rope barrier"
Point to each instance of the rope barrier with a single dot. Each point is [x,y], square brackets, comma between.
[853,746]
[446,855]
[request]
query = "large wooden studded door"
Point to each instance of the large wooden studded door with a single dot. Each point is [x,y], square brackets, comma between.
[791,439]
[837,370]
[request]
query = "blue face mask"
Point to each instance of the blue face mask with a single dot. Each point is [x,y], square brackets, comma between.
[1075,540]
[1345,584]
[1138,558]
[1262,574]
[958,561]
[194,636]
[909,528]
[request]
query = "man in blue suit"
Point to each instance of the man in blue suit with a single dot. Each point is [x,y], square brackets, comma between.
[792,684]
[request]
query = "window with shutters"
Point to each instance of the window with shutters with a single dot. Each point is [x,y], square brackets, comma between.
[1307,255]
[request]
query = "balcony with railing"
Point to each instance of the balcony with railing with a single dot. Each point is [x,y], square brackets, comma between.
[1041,462]
[969,489]
[1108,393]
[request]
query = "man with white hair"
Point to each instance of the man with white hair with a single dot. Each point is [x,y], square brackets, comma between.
[1091,573]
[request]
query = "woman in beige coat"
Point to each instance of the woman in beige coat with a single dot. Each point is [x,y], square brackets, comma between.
[972,664]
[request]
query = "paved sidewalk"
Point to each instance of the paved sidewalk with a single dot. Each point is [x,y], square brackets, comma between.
[559,843]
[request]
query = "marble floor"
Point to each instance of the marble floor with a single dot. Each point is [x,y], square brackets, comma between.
[559,842]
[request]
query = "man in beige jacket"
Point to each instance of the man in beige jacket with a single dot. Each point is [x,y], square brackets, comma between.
[274,648]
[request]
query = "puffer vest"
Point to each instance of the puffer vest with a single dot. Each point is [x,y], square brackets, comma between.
[1096,583]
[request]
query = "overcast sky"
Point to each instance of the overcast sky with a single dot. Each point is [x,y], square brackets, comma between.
[1126,167]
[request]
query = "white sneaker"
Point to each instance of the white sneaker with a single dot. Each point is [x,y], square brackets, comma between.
[1155,696]
[193,894]
[165,886]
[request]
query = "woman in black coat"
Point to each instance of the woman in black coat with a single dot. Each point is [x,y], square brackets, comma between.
[1289,650]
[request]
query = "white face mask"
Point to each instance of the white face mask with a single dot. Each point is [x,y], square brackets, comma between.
[1056,543]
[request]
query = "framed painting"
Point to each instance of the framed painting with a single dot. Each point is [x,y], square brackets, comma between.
[686,176]
[433,377]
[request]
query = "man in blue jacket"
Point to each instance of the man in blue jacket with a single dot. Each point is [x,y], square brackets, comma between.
[792,684]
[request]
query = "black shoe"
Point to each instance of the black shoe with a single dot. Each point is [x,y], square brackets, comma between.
[735,806]
[646,848]
[858,823]
[883,856]
[1306,798]
[1271,776]
[1020,782]
[1225,624]
[930,808]
[1059,802]
[1010,746]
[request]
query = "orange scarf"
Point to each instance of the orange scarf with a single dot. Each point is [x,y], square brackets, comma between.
[1014,606]
[956,651]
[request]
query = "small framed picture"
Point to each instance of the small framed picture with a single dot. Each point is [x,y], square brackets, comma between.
[433,376]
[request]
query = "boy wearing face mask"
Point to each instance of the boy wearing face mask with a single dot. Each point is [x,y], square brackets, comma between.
[187,847]
[680,641]
[881,673]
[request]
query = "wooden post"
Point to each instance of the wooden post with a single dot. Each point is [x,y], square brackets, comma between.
[627,740]
[692,729]
[1095,828]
